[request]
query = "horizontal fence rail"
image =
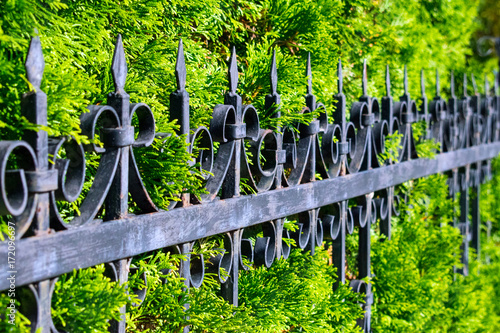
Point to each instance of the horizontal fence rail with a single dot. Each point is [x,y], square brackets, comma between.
[47,257]
[311,173]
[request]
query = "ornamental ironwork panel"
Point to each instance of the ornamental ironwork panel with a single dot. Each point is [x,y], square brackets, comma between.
[311,173]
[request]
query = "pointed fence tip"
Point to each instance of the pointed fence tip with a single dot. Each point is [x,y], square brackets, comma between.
[180,67]
[465,84]
[406,80]
[486,85]
[438,87]
[340,82]
[233,71]
[35,63]
[274,74]
[387,80]
[422,82]
[365,79]
[474,85]
[495,82]
[119,66]
[452,84]
[309,74]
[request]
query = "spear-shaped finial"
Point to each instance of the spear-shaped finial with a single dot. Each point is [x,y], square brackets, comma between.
[340,80]
[274,75]
[180,67]
[486,85]
[273,100]
[309,74]
[452,84]
[438,86]
[495,83]
[474,85]
[387,81]
[422,82]
[365,79]
[233,72]
[406,81]
[35,63]
[465,84]
[119,66]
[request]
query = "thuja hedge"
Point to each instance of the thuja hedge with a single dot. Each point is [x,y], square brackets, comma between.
[415,289]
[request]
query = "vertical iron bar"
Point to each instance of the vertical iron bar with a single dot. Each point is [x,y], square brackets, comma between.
[338,248]
[388,115]
[364,232]
[272,102]
[364,246]
[179,110]
[476,220]
[231,185]
[464,221]
[310,171]
[476,171]
[454,129]
[34,109]
[116,203]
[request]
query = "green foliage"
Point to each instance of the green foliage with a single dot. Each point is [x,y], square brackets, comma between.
[293,295]
[490,211]
[169,172]
[163,306]
[415,288]
[21,323]
[422,34]
[413,270]
[85,300]
[426,148]
[392,148]
[296,296]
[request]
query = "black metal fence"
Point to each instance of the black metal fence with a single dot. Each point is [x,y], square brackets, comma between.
[344,154]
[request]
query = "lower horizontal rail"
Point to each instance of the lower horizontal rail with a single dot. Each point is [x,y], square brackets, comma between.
[39,258]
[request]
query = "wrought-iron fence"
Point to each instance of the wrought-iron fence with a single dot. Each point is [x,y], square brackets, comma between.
[343,153]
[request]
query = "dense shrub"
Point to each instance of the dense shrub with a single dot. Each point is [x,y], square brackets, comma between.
[415,289]
[293,295]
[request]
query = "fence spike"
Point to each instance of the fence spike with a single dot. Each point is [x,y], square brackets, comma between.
[486,85]
[273,100]
[274,75]
[180,67]
[179,99]
[406,81]
[452,84]
[233,72]
[495,84]
[119,66]
[465,84]
[309,74]
[387,81]
[422,82]
[438,86]
[365,79]
[474,85]
[35,63]
[340,80]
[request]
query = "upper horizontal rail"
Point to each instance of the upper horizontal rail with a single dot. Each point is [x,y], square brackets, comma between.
[45,257]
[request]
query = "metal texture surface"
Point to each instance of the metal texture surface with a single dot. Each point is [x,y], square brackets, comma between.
[283,172]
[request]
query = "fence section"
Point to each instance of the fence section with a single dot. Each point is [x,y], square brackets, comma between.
[310,173]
